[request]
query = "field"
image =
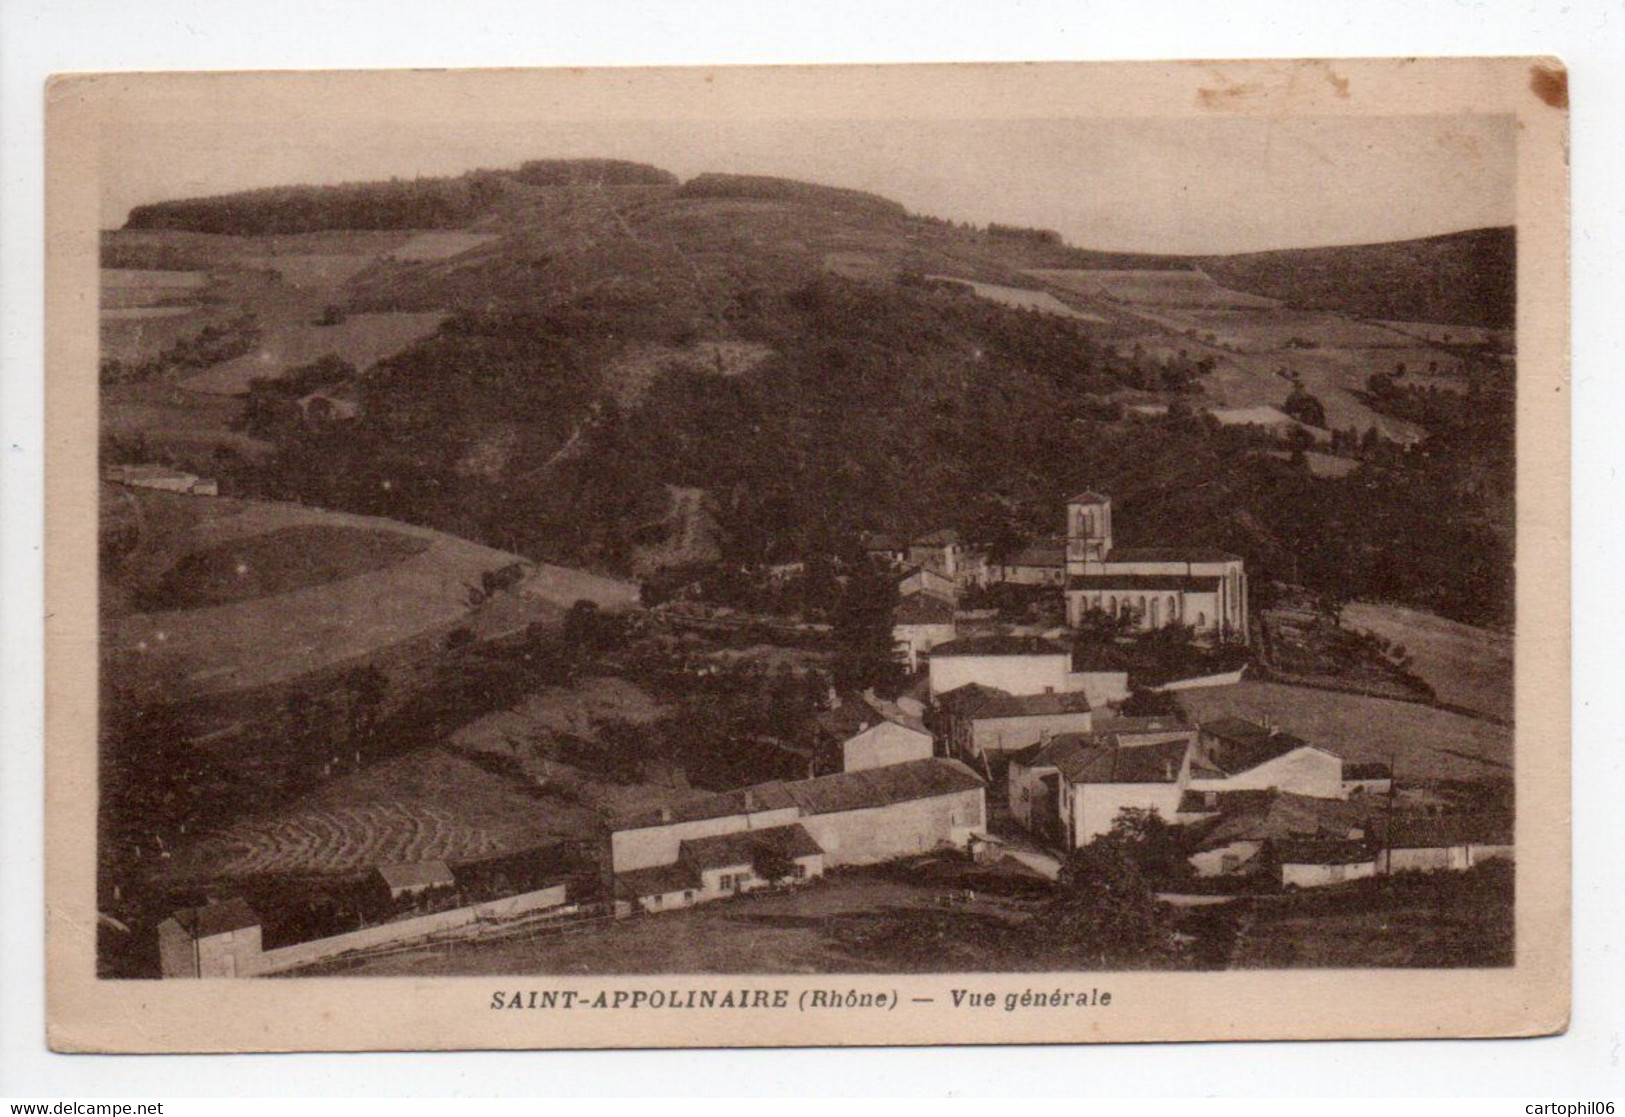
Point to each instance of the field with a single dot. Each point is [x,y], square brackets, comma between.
[1423,743]
[1022,298]
[148,287]
[187,424]
[1443,333]
[280,636]
[439,245]
[1466,666]
[424,805]
[1156,288]
[629,375]
[316,270]
[361,339]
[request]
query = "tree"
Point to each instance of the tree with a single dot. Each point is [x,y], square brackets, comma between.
[1107,914]
[771,863]
[1304,407]
[1143,703]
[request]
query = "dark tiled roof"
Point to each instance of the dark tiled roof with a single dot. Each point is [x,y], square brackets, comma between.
[1277,815]
[1105,758]
[966,700]
[1173,582]
[769,796]
[657,880]
[1372,771]
[722,850]
[998,645]
[1088,497]
[942,537]
[1042,552]
[880,787]
[854,715]
[1032,705]
[923,608]
[1244,745]
[1170,554]
[1316,852]
[1423,832]
[217,919]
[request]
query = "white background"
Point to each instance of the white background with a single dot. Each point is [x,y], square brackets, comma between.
[38,37]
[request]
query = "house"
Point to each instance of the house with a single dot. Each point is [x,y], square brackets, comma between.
[216,940]
[1152,587]
[985,721]
[1014,664]
[1319,862]
[1232,828]
[939,551]
[1071,789]
[864,736]
[1241,755]
[1429,843]
[919,579]
[412,879]
[162,478]
[1367,779]
[891,550]
[921,622]
[1040,563]
[723,865]
[662,859]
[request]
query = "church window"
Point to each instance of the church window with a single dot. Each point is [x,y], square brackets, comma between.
[1156,609]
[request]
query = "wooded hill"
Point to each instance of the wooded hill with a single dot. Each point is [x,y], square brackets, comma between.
[882,402]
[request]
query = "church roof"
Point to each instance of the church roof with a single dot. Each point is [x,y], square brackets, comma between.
[942,537]
[1104,758]
[1089,497]
[997,645]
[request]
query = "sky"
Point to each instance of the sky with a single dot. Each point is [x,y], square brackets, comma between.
[1197,185]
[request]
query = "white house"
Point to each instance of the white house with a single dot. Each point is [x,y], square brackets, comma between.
[217,940]
[868,737]
[1430,843]
[1314,864]
[1040,563]
[723,865]
[919,579]
[921,622]
[414,878]
[661,859]
[1014,664]
[1071,789]
[981,721]
[1240,755]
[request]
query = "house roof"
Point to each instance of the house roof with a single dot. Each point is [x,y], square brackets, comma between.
[1088,497]
[921,607]
[722,850]
[855,714]
[1425,832]
[881,787]
[942,537]
[998,645]
[217,919]
[1275,816]
[1169,554]
[1174,582]
[768,796]
[1040,552]
[1001,705]
[1246,744]
[1370,771]
[657,880]
[1322,852]
[1106,758]
[417,874]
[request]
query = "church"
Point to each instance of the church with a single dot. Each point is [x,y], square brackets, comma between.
[1156,586]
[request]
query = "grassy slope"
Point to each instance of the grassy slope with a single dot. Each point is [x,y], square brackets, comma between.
[1466,666]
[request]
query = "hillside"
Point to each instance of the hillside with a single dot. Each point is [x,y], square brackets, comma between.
[803,362]
[1465,279]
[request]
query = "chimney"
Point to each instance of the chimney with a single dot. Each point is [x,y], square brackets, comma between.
[834,698]
[665,814]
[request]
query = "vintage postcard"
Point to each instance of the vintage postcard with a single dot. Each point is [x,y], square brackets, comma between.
[808,556]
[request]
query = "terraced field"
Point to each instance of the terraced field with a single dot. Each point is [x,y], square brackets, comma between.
[1022,298]
[361,339]
[425,805]
[1157,288]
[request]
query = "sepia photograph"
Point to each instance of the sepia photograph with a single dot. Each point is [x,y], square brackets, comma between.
[576,540]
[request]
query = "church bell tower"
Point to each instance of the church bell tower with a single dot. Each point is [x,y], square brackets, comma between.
[1088,532]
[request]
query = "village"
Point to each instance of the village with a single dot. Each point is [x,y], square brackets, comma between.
[1033,707]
